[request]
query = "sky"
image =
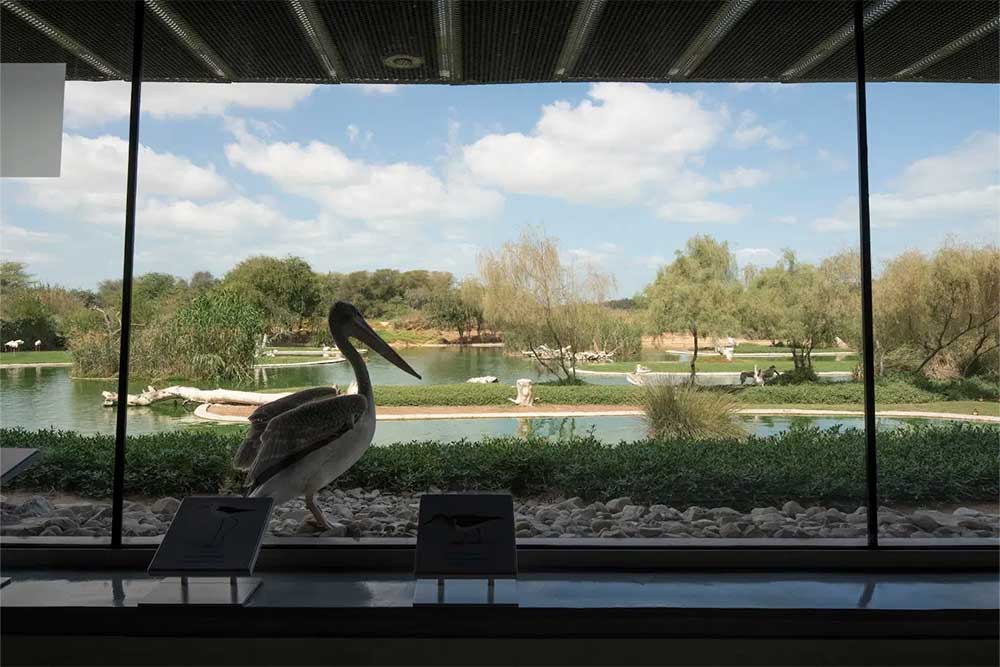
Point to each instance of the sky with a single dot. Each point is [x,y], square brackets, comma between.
[354,177]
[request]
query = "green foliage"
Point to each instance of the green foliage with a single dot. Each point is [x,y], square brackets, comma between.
[697,293]
[285,290]
[689,413]
[497,394]
[803,304]
[937,314]
[537,298]
[385,293]
[213,337]
[616,330]
[927,463]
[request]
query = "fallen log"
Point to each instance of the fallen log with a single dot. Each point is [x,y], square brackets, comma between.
[193,394]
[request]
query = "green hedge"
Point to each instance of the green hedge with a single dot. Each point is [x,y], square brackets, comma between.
[941,463]
[830,393]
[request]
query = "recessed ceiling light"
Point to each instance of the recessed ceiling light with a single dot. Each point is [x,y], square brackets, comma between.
[402,61]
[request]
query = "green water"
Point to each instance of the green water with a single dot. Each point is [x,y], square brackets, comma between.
[35,398]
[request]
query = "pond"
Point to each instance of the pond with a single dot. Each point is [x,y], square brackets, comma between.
[43,397]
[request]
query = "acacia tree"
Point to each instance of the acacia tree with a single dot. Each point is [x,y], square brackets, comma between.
[536,299]
[286,290]
[698,292]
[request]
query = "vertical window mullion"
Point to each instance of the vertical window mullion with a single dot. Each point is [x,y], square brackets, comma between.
[118,492]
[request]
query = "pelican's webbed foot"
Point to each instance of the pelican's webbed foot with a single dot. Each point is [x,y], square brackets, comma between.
[317,512]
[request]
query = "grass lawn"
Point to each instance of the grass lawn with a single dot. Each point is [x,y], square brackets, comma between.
[824,396]
[753,347]
[32,357]
[720,365]
[989,408]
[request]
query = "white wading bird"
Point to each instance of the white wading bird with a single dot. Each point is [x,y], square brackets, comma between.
[299,444]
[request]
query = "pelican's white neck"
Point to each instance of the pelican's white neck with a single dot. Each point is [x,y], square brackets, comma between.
[357,363]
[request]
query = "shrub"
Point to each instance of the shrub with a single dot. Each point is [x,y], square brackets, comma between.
[689,412]
[941,463]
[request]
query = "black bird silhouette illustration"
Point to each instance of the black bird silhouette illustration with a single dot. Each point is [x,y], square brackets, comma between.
[226,524]
[463,528]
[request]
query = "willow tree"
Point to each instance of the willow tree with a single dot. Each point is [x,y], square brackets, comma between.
[537,299]
[697,293]
[941,309]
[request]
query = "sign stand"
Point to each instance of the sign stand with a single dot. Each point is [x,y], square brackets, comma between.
[465,551]
[209,552]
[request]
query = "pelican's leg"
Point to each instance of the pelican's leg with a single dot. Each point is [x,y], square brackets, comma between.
[317,513]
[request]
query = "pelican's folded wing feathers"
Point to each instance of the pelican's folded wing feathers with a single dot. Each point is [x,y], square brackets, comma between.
[259,418]
[294,434]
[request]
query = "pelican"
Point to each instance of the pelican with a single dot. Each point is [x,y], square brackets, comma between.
[300,443]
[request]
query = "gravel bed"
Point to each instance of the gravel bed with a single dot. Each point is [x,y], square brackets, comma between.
[369,513]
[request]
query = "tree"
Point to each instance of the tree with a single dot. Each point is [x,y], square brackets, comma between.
[202,280]
[698,292]
[471,294]
[941,308]
[538,300]
[285,290]
[804,305]
[448,311]
[14,276]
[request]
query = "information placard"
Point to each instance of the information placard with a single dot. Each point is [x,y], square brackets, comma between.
[213,536]
[464,535]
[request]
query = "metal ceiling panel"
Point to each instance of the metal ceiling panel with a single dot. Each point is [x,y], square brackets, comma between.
[513,41]
[507,41]
[257,40]
[369,32]
[81,21]
[909,32]
[640,40]
[979,62]
[770,38]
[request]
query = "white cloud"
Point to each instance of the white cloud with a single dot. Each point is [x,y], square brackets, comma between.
[361,190]
[356,136]
[217,217]
[770,86]
[92,185]
[756,256]
[609,148]
[957,186]
[785,219]
[836,162]
[701,212]
[16,234]
[602,254]
[741,177]
[749,132]
[377,88]
[91,103]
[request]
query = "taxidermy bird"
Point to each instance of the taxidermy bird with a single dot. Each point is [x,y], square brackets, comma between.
[300,443]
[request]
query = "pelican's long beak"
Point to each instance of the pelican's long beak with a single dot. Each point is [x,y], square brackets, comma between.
[367,335]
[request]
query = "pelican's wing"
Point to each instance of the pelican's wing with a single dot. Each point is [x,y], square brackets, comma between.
[259,418]
[292,435]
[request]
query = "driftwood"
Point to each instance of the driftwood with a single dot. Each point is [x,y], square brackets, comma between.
[195,395]
[486,379]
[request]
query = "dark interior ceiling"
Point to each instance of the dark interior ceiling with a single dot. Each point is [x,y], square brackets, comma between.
[508,41]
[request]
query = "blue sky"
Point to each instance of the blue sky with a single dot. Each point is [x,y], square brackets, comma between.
[363,177]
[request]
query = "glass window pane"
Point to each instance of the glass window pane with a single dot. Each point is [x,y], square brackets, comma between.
[934,177]
[60,286]
[481,230]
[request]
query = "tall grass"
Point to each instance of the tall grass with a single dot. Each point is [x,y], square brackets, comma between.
[689,412]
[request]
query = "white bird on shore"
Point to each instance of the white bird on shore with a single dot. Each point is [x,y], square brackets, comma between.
[13,344]
[38,345]
[299,444]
